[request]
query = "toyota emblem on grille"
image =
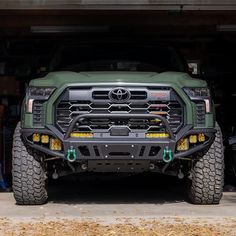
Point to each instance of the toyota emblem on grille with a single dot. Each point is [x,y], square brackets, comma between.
[119,95]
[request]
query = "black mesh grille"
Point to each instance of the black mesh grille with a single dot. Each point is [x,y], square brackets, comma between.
[103,95]
[138,95]
[38,113]
[200,112]
[172,110]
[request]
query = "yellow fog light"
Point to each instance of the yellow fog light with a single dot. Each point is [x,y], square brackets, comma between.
[156,120]
[157,135]
[201,137]
[81,135]
[44,139]
[55,144]
[183,145]
[36,138]
[193,138]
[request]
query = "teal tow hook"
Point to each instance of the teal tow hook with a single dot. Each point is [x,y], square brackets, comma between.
[71,155]
[167,155]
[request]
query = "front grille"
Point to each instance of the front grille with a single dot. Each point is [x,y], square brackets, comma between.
[38,113]
[97,102]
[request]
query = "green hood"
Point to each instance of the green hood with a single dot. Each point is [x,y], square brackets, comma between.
[58,79]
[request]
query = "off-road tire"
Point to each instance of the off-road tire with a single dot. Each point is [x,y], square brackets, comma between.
[207,174]
[29,177]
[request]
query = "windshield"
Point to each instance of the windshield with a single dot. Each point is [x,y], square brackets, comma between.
[111,58]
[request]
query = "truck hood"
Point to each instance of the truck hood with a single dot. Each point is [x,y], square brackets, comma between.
[58,79]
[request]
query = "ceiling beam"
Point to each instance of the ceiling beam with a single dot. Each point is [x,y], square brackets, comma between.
[190,5]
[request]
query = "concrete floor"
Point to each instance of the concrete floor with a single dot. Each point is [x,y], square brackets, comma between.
[142,196]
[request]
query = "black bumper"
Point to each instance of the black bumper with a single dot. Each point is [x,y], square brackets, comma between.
[119,148]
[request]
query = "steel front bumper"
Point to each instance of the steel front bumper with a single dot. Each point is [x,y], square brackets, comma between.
[119,148]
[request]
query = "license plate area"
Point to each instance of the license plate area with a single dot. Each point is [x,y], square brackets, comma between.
[119,151]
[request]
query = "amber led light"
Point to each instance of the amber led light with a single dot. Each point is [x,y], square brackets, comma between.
[81,135]
[157,135]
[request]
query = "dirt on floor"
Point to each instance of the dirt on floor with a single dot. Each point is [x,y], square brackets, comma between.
[143,228]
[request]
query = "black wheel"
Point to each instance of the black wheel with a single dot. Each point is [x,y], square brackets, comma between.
[28,183]
[207,174]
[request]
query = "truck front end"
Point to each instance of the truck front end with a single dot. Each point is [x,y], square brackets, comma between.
[118,122]
[121,126]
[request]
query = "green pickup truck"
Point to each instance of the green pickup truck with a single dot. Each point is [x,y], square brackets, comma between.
[119,115]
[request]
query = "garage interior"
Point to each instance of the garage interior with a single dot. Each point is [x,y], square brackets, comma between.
[32,34]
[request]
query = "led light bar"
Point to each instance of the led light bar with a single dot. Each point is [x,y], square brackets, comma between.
[157,135]
[81,135]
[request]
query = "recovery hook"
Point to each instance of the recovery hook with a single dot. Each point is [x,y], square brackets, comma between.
[71,155]
[167,155]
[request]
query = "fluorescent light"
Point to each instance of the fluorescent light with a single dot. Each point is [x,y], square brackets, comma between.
[68,29]
[226,28]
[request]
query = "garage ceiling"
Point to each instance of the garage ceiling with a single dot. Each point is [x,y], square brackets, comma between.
[120,4]
[186,20]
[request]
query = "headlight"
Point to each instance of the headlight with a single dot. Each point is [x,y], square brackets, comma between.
[40,93]
[198,94]
[37,93]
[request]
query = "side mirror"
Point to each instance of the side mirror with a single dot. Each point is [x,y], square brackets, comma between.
[194,68]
